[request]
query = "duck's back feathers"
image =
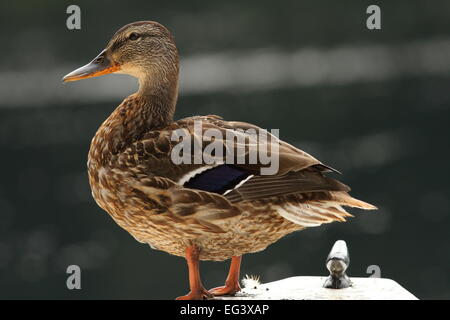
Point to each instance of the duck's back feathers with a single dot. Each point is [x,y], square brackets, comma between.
[155,150]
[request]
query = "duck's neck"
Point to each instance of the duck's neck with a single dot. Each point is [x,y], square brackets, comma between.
[157,97]
[141,113]
[152,107]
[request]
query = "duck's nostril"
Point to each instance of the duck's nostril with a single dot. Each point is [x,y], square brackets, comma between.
[98,59]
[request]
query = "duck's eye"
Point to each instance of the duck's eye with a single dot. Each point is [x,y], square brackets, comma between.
[133,36]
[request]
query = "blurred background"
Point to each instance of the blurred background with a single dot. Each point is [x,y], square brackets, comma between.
[373,104]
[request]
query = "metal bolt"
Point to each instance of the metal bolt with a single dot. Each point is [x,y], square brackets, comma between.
[337,263]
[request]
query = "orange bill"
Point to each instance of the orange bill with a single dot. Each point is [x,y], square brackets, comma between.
[100,66]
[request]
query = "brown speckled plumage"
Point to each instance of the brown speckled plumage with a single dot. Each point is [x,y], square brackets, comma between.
[134,179]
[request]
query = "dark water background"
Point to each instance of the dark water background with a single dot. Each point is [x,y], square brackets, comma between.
[389,137]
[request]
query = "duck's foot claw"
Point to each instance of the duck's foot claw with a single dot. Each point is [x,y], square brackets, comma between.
[201,294]
[226,290]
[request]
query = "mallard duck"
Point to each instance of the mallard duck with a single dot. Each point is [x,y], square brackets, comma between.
[200,211]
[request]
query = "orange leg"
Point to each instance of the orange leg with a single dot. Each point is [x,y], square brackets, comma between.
[198,292]
[232,282]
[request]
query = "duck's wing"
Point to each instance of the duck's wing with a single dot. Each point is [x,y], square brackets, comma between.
[242,176]
[214,189]
[161,150]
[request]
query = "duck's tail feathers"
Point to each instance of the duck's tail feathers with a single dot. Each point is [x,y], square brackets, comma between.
[313,213]
[343,198]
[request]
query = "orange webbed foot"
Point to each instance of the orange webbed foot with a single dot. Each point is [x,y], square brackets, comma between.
[201,294]
[226,290]
[232,283]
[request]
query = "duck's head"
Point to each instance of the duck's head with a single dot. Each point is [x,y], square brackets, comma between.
[145,50]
